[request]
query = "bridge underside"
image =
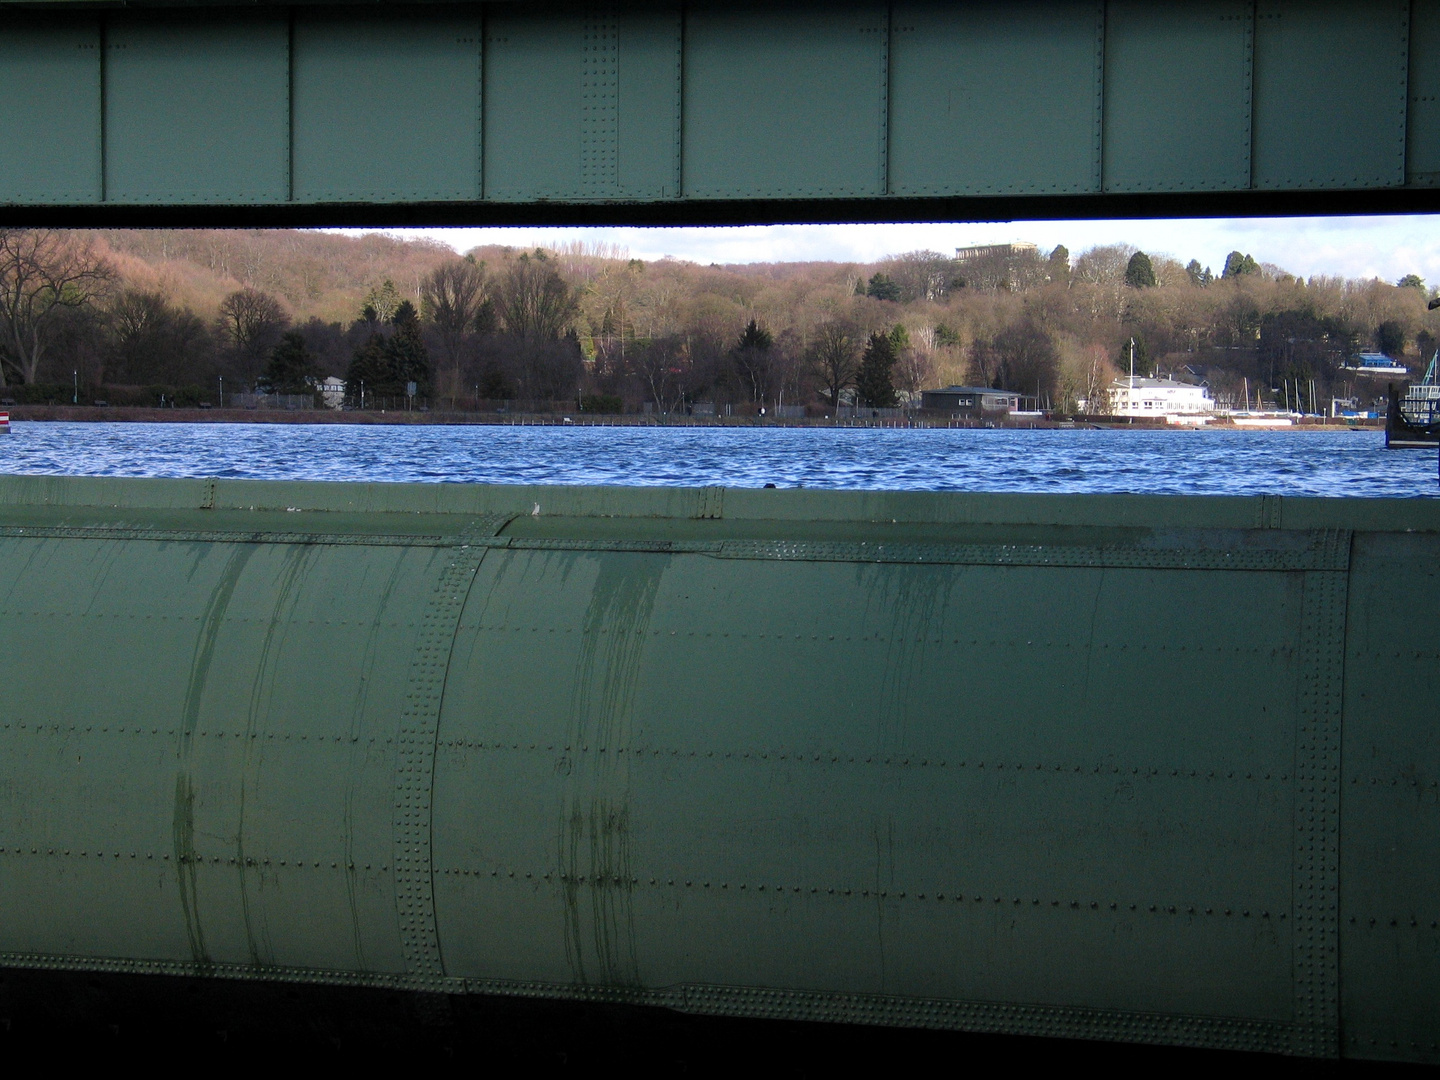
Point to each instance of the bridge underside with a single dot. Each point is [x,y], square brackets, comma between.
[670,113]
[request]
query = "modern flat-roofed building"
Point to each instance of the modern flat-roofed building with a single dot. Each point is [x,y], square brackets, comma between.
[970,399]
[1158,398]
[1370,363]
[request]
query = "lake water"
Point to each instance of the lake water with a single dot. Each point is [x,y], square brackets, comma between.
[1157,462]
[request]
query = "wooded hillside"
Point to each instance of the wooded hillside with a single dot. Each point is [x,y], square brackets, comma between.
[177,311]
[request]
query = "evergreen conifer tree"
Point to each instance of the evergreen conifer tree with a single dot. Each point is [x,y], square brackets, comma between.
[1140,272]
[407,358]
[368,373]
[291,367]
[882,287]
[872,382]
[1237,264]
[753,360]
[1057,267]
[1142,357]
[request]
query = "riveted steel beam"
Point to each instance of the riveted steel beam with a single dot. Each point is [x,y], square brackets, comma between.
[707,112]
[1148,769]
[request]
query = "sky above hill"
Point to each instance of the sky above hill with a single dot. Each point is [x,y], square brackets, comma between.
[1354,247]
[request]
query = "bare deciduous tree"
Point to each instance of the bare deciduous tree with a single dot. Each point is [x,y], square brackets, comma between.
[661,365]
[252,322]
[921,275]
[42,272]
[833,357]
[451,296]
[534,300]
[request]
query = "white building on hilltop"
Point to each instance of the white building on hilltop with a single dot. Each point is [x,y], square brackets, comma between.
[1159,398]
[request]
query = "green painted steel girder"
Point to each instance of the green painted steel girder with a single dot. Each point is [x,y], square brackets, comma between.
[196,113]
[1128,768]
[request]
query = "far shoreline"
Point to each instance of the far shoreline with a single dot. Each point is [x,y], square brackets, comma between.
[100,414]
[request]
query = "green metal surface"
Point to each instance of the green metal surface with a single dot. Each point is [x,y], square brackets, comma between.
[1131,768]
[996,97]
[1177,95]
[1422,156]
[386,107]
[1358,138]
[784,101]
[52,155]
[670,111]
[196,109]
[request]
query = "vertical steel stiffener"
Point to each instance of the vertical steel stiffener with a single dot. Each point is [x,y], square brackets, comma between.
[1151,769]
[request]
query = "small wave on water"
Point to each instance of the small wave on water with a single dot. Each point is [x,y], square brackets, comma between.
[1151,462]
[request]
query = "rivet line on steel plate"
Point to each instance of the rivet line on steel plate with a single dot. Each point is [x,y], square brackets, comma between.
[832,758]
[961,897]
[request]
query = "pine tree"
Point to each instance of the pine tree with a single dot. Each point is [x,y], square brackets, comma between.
[291,368]
[753,359]
[1057,267]
[1142,356]
[882,287]
[368,373]
[1140,272]
[755,336]
[408,359]
[872,382]
[1237,264]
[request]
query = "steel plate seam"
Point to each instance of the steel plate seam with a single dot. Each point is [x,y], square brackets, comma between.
[1249,29]
[415,761]
[1030,555]
[1318,556]
[102,136]
[600,101]
[1097,124]
[481,47]
[1317,805]
[887,39]
[221,536]
[289,134]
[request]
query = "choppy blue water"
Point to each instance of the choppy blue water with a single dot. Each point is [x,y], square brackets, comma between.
[1157,462]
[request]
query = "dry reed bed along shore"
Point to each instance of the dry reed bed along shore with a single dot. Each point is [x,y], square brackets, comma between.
[134,414]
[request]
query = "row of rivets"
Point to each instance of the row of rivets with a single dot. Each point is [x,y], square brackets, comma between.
[829,757]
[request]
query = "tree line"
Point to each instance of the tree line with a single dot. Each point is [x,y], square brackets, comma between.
[157,314]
